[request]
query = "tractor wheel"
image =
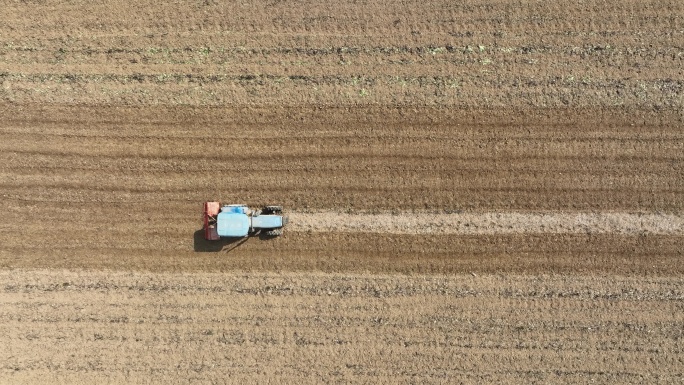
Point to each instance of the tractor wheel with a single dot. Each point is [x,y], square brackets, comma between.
[274,232]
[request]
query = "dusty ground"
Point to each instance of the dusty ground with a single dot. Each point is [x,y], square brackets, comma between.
[122,187]
[78,328]
[118,119]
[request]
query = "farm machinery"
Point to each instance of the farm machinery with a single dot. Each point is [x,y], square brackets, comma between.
[234,221]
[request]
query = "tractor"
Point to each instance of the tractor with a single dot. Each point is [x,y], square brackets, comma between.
[238,221]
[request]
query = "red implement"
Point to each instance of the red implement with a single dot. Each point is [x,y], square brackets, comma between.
[211,210]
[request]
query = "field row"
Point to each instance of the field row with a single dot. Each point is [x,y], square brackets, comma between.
[356,328]
[342,18]
[183,89]
[121,187]
[381,53]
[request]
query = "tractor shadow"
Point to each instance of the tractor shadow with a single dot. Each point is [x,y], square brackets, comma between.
[224,244]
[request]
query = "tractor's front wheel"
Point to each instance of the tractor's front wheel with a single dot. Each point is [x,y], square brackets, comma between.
[274,232]
[277,210]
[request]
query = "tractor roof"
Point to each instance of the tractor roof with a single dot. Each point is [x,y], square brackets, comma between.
[230,224]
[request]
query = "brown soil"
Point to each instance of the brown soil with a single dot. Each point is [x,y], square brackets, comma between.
[104,185]
[85,327]
[118,119]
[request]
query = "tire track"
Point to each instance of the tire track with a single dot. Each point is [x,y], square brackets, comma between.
[618,223]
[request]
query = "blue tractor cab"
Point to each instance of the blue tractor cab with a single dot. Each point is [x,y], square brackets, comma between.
[232,225]
[233,221]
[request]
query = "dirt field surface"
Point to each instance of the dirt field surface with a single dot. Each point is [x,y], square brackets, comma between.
[480,191]
[71,327]
[120,188]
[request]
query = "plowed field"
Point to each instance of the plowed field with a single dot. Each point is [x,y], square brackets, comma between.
[499,184]
[313,328]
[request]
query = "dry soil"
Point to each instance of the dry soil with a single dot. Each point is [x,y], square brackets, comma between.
[527,119]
